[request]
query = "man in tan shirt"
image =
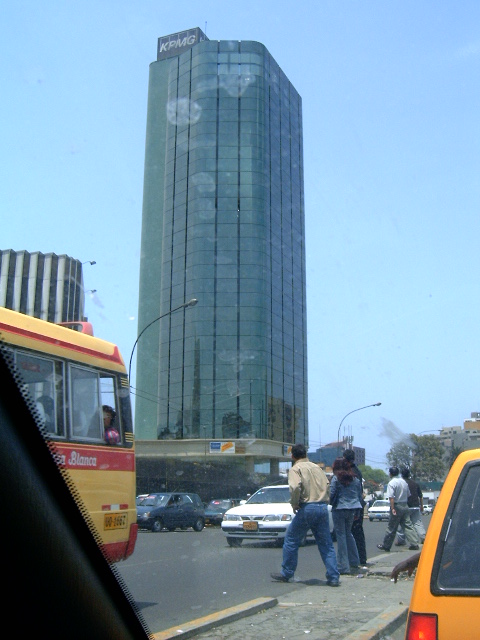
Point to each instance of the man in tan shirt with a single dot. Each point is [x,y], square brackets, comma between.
[309,494]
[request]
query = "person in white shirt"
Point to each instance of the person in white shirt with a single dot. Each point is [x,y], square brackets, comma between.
[415,506]
[398,494]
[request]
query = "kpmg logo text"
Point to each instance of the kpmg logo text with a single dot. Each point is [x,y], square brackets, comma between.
[177,43]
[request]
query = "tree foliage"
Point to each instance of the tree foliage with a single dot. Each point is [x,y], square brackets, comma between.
[376,476]
[424,455]
[373,479]
[400,455]
[453,453]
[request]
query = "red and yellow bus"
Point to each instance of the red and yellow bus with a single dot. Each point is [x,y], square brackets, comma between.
[69,377]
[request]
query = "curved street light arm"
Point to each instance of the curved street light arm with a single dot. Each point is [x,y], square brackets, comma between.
[190,303]
[377,404]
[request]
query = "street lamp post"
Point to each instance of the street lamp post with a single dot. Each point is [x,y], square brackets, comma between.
[377,404]
[205,447]
[190,303]
[428,431]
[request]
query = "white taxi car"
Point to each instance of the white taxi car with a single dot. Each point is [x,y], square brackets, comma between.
[265,516]
[380,510]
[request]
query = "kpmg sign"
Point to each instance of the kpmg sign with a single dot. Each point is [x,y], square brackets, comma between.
[177,43]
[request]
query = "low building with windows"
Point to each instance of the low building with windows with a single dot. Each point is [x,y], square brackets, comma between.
[464,438]
[326,455]
[43,285]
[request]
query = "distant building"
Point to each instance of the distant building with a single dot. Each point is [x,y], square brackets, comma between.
[464,439]
[42,285]
[326,455]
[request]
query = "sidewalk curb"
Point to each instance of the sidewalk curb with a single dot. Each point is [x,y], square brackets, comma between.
[387,622]
[200,625]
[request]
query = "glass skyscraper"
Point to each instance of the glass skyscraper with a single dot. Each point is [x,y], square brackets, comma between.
[223,222]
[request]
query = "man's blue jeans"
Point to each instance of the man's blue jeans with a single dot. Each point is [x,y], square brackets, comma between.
[314,516]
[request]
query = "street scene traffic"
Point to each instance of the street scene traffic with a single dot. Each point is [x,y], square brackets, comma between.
[238,340]
[210,574]
[216,577]
[213,576]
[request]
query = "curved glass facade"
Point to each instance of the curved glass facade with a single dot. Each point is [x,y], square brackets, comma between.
[223,222]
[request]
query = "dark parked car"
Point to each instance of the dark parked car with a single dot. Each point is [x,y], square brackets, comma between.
[216,508]
[171,510]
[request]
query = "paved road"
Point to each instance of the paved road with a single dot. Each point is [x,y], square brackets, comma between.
[370,607]
[178,576]
[181,575]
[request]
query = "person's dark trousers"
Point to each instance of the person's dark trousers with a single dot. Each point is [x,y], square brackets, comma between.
[359,536]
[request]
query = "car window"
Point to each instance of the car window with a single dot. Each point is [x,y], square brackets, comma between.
[219,505]
[196,500]
[457,563]
[273,495]
[215,507]
[154,501]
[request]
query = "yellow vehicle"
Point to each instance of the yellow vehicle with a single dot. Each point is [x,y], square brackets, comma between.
[69,378]
[446,592]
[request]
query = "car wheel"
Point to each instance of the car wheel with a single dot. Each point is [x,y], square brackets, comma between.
[157,525]
[171,528]
[371,519]
[234,542]
[279,542]
[199,524]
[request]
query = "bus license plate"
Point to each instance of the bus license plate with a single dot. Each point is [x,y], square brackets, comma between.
[250,526]
[115,521]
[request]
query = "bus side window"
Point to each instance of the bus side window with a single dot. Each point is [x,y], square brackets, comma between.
[85,403]
[59,395]
[95,428]
[46,408]
[80,423]
[109,399]
[43,378]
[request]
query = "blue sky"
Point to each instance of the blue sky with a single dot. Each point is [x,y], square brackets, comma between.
[392,182]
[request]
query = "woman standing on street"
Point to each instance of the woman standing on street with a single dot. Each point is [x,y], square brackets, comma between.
[357,528]
[346,499]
